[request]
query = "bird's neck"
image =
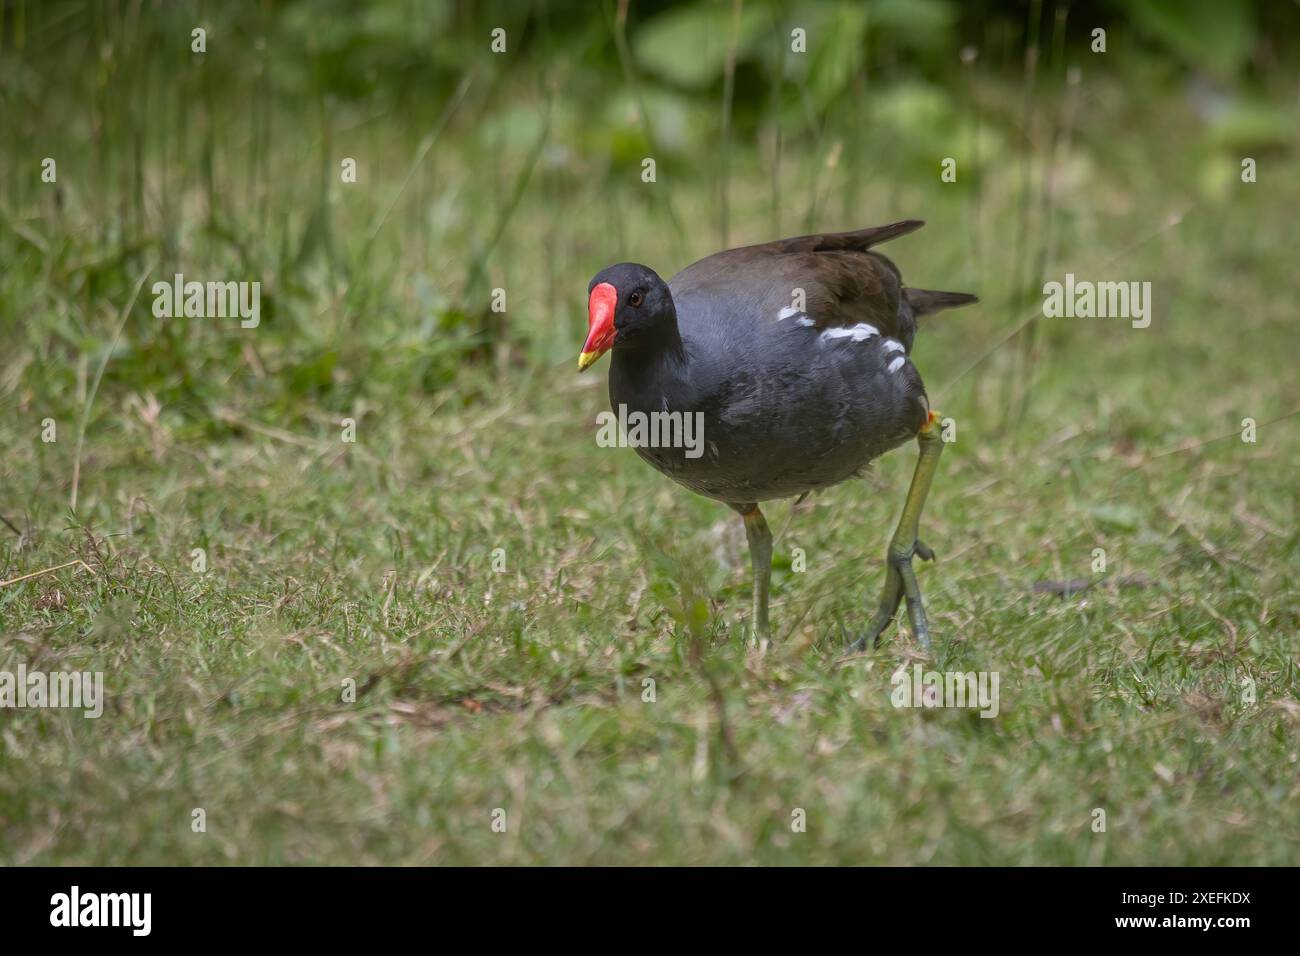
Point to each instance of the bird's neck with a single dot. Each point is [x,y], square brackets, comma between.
[657,349]
[654,363]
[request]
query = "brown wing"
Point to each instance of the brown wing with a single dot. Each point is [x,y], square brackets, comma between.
[849,284]
[845,283]
[849,288]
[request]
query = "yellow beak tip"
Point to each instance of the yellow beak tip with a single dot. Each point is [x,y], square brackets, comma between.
[586,359]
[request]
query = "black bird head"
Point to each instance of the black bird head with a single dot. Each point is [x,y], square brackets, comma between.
[628,306]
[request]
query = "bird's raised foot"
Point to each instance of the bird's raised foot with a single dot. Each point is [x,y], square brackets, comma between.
[900,582]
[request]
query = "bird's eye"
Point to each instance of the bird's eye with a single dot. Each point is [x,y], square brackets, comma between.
[635,299]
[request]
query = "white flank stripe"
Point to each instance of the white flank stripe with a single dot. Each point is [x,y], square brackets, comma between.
[857,332]
[892,346]
[785,313]
[896,364]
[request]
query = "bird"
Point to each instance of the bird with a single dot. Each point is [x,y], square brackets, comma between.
[794,357]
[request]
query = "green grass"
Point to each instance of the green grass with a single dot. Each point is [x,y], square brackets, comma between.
[523,689]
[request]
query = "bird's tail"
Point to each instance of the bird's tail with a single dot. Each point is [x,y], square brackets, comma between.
[925,301]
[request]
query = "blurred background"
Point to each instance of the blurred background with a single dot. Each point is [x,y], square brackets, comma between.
[522,169]
[181,507]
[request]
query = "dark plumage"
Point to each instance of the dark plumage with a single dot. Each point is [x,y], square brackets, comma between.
[796,352]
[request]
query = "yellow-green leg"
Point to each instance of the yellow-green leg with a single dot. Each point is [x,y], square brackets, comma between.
[760,556]
[900,579]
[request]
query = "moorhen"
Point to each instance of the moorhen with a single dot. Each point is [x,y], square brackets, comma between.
[793,358]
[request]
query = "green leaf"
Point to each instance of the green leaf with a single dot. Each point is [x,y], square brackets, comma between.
[689,46]
[1207,33]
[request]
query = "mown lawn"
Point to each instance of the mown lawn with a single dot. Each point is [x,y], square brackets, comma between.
[524,688]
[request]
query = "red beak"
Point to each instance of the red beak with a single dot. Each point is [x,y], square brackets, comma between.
[600,324]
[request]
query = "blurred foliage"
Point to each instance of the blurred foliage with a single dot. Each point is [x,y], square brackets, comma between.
[226,162]
[1207,33]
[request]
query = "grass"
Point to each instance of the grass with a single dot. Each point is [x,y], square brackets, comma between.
[524,689]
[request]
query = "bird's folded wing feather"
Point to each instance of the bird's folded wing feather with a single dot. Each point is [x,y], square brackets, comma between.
[841,281]
[844,283]
[849,289]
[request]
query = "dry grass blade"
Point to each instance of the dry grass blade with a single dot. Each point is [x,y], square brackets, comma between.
[37,574]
